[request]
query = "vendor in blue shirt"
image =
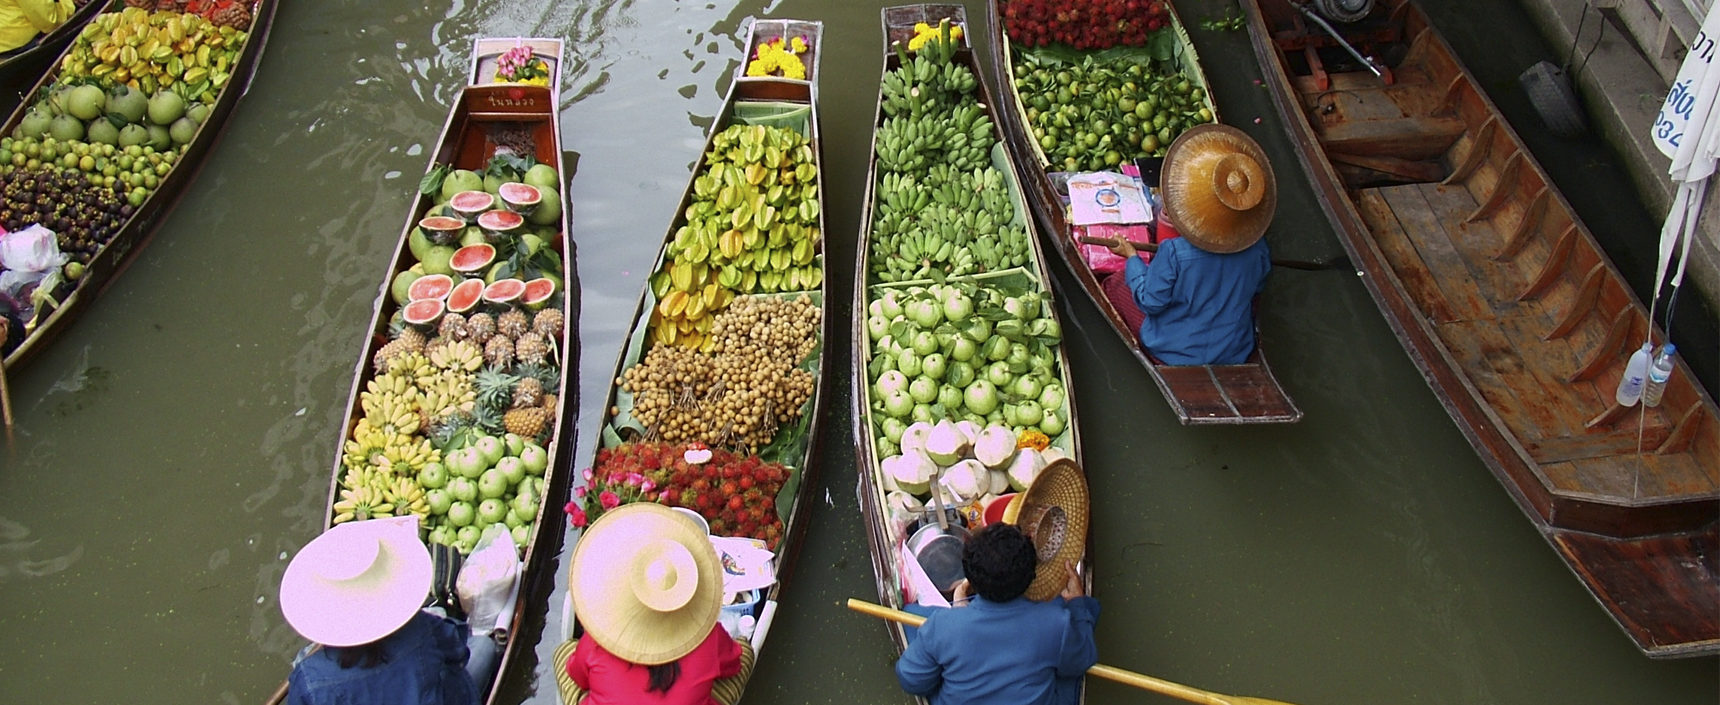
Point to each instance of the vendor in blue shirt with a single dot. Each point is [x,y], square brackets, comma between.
[998,647]
[1195,301]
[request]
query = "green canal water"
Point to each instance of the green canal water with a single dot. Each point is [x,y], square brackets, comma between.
[172,450]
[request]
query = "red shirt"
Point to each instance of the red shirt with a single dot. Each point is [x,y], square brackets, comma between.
[613,680]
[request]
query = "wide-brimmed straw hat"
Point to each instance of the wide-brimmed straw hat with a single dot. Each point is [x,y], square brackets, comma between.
[1053,512]
[1218,188]
[356,583]
[646,583]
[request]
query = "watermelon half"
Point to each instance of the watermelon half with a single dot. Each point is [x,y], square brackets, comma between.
[500,225]
[538,293]
[424,313]
[519,198]
[471,259]
[430,286]
[441,229]
[470,203]
[466,296]
[504,291]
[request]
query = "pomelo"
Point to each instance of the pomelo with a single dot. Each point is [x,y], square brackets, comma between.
[441,229]
[530,243]
[504,291]
[519,198]
[460,180]
[418,243]
[466,295]
[472,235]
[401,289]
[436,260]
[542,176]
[538,293]
[471,259]
[548,211]
[470,203]
[423,314]
[430,286]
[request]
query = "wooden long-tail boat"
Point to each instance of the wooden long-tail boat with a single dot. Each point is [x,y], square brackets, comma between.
[1247,393]
[53,41]
[761,174]
[142,217]
[1513,313]
[489,121]
[888,505]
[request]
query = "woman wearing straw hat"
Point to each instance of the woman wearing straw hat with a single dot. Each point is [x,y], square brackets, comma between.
[1026,636]
[356,590]
[647,589]
[1194,304]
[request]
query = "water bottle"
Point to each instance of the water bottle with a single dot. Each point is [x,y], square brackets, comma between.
[1658,373]
[1635,372]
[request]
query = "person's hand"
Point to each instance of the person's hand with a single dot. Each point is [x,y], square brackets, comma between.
[1072,589]
[1121,247]
[960,599]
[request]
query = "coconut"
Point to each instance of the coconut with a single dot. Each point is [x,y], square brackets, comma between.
[912,471]
[914,437]
[903,506]
[969,430]
[999,482]
[995,447]
[1052,455]
[945,445]
[966,481]
[1028,462]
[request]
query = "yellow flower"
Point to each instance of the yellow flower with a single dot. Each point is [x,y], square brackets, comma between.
[924,33]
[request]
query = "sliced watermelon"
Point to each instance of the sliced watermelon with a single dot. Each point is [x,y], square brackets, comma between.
[430,286]
[520,198]
[424,313]
[538,293]
[504,291]
[471,259]
[470,203]
[466,296]
[441,229]
[498,222]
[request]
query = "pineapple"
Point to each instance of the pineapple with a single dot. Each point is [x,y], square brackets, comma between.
[499,352]
[529,422]
[547,375]
[529,392]
[530,348]
[480,327]
[386,354]
[414,339]
[548,323]
[453,327]
[489,419]
[495,388]
[512,324]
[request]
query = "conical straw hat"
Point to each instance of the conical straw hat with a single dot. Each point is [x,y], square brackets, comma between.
[646,583]
[1053,512]
[356,583]
[1218,188]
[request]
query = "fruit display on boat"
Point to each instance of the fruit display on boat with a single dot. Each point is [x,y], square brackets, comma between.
[460,410]
[1084,25]
[965,394]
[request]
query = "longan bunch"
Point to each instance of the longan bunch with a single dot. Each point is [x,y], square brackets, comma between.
[742,392]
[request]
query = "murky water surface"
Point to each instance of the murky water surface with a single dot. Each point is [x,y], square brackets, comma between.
[172,449]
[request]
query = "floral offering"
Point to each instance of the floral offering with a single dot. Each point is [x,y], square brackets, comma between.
[735,493]
[520,65]
[779,57]
[924,33]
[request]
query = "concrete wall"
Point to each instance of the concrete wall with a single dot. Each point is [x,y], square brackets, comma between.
[1622,86]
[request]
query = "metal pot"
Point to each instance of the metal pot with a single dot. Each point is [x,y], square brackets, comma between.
[938,549]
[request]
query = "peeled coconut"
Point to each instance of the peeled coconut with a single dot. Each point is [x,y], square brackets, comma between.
[912,471]
[903,506]
[966,480]
[995,447]
[969,430]
[1052,455]
[945,446]
[999,482]
[1028,463]
[914,437]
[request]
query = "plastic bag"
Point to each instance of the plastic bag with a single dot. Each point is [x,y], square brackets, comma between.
[489,582]
[27,258]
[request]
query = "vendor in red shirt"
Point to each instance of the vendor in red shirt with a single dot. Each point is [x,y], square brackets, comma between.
[647,589]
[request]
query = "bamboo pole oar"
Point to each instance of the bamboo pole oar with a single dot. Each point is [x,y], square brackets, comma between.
[1312,266]
[1139,680]
[5,392]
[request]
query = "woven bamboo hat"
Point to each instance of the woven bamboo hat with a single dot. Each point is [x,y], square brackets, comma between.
[646,583]
[1218,188]
[356,583]
[1053,512]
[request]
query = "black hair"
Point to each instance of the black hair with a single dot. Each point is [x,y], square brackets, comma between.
[662,676]
[999,562]
[368,655]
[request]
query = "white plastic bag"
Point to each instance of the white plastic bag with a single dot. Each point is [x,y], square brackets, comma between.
[27,257]
[489,582]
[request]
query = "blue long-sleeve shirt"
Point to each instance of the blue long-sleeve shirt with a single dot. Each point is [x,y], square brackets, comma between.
[1010,653]
[1199,305]
[426,665]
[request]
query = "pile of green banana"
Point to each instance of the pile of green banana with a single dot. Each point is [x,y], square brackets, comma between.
[952,221]
[961,136]
[929,82]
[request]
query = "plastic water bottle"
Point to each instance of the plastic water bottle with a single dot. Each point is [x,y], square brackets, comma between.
[1658,373]
[1635,373]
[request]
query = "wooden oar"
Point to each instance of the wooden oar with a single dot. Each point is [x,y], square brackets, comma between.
[1145,682]
[1312,266]
[5,392]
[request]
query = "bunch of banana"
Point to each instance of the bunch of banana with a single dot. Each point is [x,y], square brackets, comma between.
[414,367]
[961,137]
[460,355]
[448,391]
[391,402]
[360,503]
[407,496]
[152,51]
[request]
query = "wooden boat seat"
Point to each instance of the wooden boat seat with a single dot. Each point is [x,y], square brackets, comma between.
[1418,137]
